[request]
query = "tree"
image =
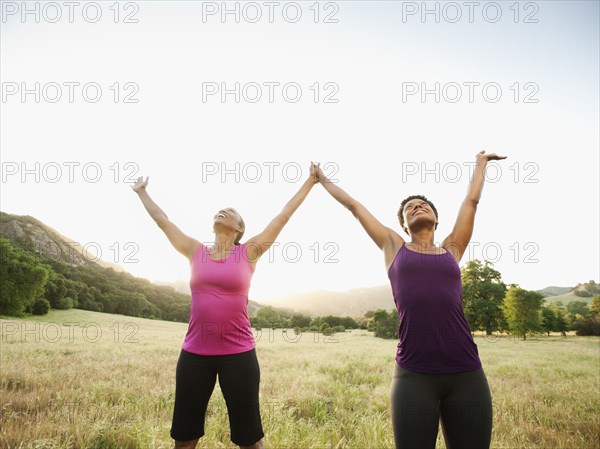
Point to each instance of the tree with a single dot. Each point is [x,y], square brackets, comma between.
[331,320]
[384,324]
[554,319]
[522,309]
[577,310]
[548,319]
[562,321]
[483,293]
[595,307]
[300,321]
[87,300]
[349,323]
[327,330]
[64,303]
[587,326]
[55,289]
[110,303]
[590,325]
[40,307]
[22,279]
[268,317]
[74,289]
[134,304]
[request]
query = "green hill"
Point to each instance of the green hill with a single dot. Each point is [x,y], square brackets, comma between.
[587,289]
[581,292]
[36,255]
[554,291]
[567,298]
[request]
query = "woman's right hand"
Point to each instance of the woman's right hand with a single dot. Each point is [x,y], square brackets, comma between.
[318,173]
[314,171]
[140,184]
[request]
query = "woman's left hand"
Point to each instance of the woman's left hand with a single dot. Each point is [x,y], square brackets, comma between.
[482,157]
[315,171]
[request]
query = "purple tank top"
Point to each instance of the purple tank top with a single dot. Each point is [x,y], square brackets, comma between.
[434,334]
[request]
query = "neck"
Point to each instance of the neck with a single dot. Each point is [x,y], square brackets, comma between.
[223,242]
[423,239]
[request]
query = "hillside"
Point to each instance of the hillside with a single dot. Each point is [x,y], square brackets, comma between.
[567,298]
[39,238]
[554,291]
[581,292]
[39,256]
[587,289]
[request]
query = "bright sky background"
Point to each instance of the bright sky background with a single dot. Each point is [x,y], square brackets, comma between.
[538,221]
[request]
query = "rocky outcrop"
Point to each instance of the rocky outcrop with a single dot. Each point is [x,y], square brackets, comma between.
[36,237]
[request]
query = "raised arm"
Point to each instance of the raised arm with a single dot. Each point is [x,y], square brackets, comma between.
[385,238]
[459,238]
[259,244]
[182,243]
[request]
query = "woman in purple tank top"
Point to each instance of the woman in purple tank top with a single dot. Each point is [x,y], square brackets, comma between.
[438,373]
[219,342]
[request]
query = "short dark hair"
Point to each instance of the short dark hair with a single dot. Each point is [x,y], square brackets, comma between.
[241,233]
[413,197]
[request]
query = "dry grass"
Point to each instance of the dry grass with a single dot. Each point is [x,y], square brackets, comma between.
[62,389]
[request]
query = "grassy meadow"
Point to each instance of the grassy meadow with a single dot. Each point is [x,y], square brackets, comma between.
[76,379]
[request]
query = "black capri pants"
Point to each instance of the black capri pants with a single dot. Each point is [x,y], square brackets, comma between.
[239,378]
[462,400]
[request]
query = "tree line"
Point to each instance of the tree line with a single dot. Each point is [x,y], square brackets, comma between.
[492,306]
[33,283]
[270,317]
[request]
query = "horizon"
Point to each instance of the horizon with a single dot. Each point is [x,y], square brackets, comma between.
[321,290]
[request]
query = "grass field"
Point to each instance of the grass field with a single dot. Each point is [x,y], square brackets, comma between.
[77,379]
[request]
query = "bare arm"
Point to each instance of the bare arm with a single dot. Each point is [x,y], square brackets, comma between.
[182,243]
[385,238]
[459,238]
[259,244]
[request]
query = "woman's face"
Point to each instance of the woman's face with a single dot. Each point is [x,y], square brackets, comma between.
[418,214]
[228,217]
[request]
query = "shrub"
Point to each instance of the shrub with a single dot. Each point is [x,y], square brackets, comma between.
[64,303]
[587,326]
[40,307]
[328,331]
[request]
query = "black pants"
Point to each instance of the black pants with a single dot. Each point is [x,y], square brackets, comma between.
[462,401]
[239,378]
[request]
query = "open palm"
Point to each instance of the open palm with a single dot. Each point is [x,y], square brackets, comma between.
[140,184]
[481,156]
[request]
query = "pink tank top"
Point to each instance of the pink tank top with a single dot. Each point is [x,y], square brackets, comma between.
[219,322]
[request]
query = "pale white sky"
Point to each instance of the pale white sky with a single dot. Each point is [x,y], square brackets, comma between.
[538,220]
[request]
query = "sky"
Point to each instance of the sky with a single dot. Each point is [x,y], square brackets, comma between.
[226,104]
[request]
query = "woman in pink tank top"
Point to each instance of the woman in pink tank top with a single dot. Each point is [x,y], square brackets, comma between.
[219,342]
